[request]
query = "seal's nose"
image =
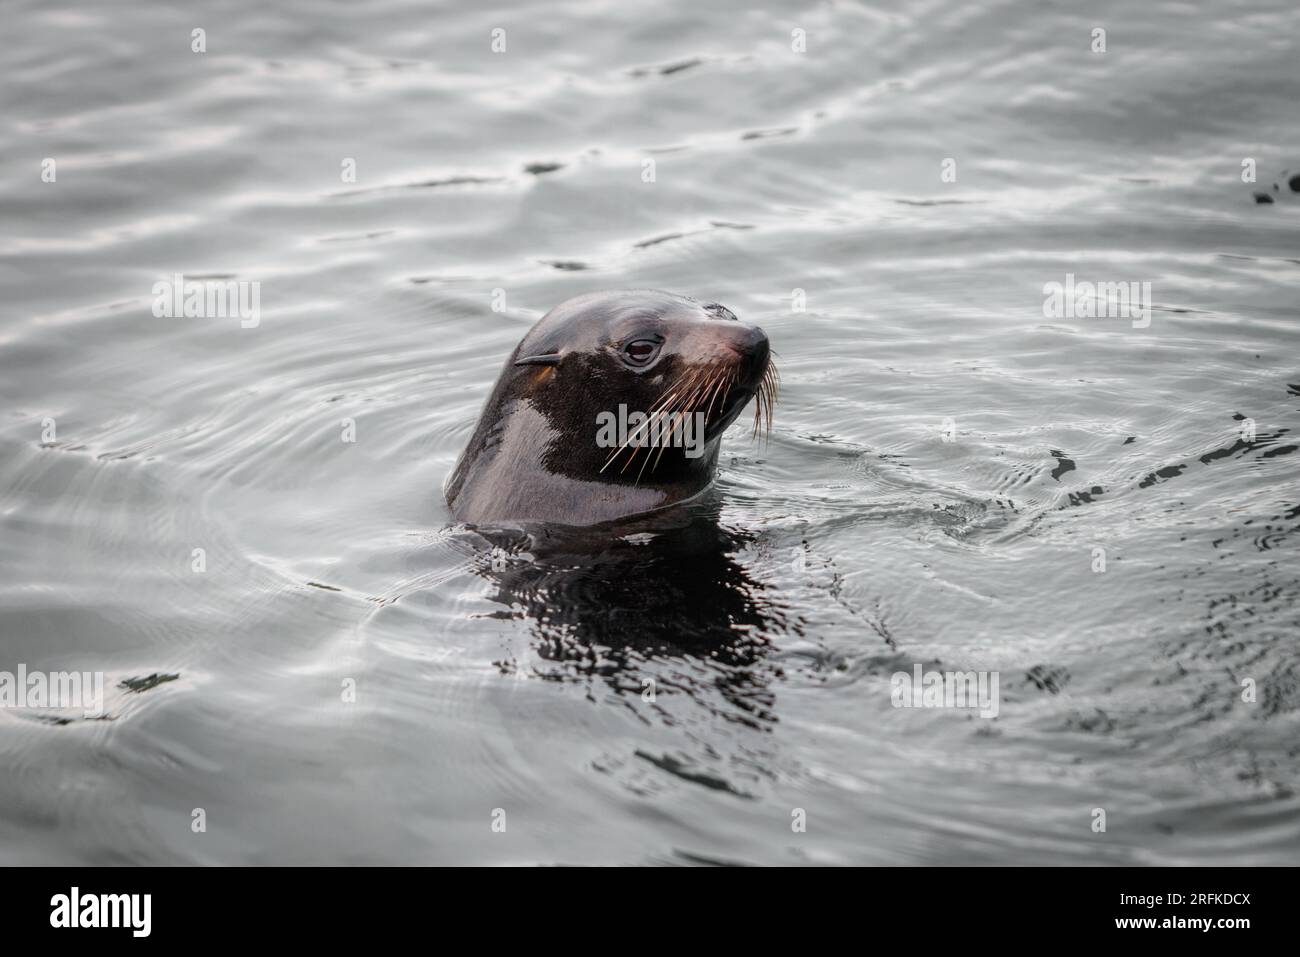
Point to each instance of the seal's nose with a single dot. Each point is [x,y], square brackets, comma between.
[760,350]
[750,345]
[751,337]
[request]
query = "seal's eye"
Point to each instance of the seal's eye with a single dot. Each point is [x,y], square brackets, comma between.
[641,352]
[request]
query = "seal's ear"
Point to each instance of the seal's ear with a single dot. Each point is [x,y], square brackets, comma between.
[546,359]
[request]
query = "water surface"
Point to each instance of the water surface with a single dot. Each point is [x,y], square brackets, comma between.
[945,465]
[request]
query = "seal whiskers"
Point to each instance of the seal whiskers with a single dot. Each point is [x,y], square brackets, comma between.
[704,387]
[682,410]
[692,406]
[656,410]
[765,399]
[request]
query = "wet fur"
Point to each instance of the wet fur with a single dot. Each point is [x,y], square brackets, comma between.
[533,456]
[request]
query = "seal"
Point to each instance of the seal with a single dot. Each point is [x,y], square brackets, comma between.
[612,405]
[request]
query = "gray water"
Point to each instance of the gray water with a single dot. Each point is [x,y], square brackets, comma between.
[1100,511]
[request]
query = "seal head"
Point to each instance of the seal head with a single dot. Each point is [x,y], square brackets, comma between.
[612,405]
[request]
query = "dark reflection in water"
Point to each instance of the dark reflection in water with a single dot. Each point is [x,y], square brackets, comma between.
[651,609]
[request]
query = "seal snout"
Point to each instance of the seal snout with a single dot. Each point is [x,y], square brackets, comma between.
[745,354]
[751,349]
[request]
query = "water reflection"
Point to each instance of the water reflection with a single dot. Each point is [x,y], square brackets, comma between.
[652,610]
